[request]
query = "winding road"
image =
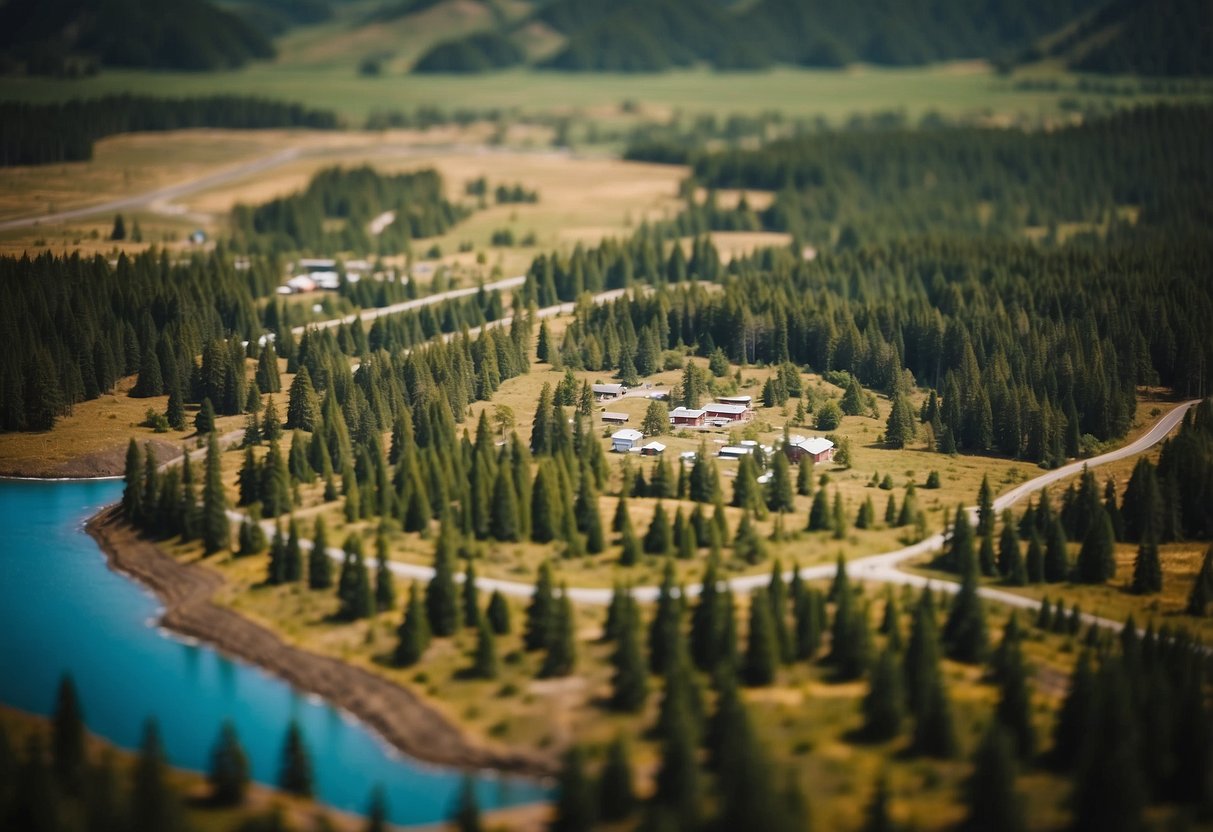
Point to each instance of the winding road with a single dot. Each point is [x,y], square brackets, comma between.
[879,568]
[166,194]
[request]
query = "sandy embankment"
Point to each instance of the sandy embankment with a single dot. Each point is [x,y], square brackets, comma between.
[394,712]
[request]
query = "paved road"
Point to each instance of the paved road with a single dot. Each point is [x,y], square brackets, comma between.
[165,194]
[881,567]
[367,315]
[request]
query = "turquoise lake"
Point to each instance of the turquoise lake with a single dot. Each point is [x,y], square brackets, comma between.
[62,610]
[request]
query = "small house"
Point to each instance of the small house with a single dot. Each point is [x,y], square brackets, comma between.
[607,392]
[652,449]
[718,413]
[611,417]
[622,441]
[734,451]
[815,448]
[744,401]
[687,417]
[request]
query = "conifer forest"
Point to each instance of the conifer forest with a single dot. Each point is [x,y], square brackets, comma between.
[615,453]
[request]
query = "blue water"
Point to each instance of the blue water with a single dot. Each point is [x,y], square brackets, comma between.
[62,610]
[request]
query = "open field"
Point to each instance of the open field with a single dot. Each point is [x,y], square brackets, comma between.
[970,90]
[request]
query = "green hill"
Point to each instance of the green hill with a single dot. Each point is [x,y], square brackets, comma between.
[46,35]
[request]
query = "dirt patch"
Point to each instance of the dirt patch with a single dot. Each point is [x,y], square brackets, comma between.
[394,712]
[109,462]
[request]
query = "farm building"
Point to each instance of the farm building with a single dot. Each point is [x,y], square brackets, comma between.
[624,440]
[744,401]
[687,417]
[816,448]
[652,449]
[734,451]
[613,418]
[606,392]
[717,413]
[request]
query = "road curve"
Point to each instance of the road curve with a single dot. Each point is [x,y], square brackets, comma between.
[881,567]
[165,194]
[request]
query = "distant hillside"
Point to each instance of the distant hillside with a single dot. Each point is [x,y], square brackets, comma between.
[475,53]
[153,34]
[645,35]
[1144,37]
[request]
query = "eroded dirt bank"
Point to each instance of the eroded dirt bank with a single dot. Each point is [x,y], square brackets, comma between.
[394,712]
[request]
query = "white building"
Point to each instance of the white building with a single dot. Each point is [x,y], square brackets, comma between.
[622,441]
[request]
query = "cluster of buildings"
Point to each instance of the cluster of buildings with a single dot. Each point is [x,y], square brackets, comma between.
[315,274]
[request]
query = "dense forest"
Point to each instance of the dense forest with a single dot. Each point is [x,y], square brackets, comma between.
[355,197]
[1028,349]
[847,188]
[44,36]
[38,134]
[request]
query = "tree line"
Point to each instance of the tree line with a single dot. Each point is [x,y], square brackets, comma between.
[39,134]
[849,188]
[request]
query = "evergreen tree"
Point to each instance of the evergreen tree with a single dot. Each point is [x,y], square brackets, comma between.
[441,596]
[575,798]
[1034,564]
[414,632]
[471,597]
[466,817]
[616,795]
[385,589]
[354,583]
[1014,709]
[657,538]
[900,429]
[762,650]
[1110,793]
[174,412]
[1202,587]
[876,818]
[630,549]
[804,477]
[1097,558]
[376,812]
[498,613]
[964,634]
[705,619]
[503,523]
[541,611]
[1057,557]
[807,604]
[779,487]
[216,533]
[679,788]
[153,805]
[1010,559]
[664,629]
[132,492]
[204,422]
[629,682]
[1147,569]
[960,553]
[319,565]
[276,569]
[561,649]
[992,801]
[484,665]
[229,772]
[1070,730]
[883,708]
[295,773]
[67,737]
[302,407]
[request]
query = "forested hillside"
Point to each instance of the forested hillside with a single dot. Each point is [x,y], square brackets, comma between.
[641,35]
[354,197]
[1149,165]
[38,134]
[1147,37]
[475,53]
[155,34]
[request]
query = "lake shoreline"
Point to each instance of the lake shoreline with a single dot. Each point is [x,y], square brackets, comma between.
[393,712]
